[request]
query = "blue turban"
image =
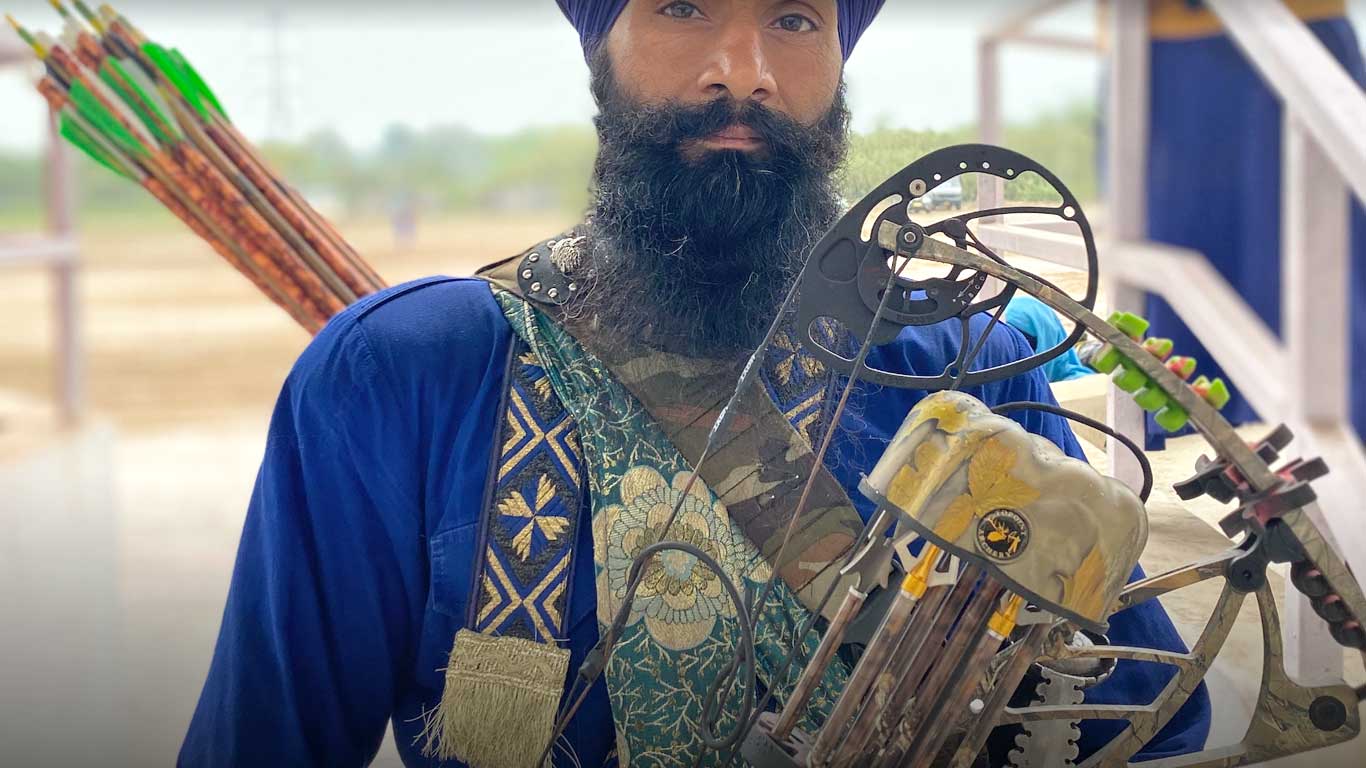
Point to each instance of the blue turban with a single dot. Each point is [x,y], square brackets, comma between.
[594,18]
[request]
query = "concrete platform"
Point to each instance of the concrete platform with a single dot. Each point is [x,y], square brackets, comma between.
[62,676]
[114,566]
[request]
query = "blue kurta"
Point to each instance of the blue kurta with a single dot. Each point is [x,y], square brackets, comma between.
[356,561]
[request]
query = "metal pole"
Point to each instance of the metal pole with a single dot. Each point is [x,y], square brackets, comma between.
[1126,160]
[66,301]
[990,190]
[1316,327]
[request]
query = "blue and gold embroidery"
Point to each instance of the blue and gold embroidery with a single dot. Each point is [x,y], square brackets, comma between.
[534,515]
[799,383]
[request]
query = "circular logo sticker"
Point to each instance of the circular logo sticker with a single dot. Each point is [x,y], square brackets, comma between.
[1002,535]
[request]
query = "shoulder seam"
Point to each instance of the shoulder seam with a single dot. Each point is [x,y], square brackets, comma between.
[374,301]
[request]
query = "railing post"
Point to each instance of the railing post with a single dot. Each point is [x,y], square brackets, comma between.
[66,302]
[1126,160]
[1316,275]
[990,190]
[1316,327]
[990,130]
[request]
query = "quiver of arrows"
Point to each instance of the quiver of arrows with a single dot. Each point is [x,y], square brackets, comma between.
[142,111]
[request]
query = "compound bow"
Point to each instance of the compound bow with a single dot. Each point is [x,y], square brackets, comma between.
[1000,596]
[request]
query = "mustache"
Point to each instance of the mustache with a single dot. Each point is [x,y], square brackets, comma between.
[674,125]
[791,148]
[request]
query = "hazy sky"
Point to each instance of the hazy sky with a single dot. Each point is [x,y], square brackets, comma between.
[500,66]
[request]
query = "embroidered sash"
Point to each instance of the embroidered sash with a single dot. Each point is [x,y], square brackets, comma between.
[682,630]
[760,470]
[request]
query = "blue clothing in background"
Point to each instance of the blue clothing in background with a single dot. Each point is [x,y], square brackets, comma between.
[1041,326]
[1214,185]
[356,560]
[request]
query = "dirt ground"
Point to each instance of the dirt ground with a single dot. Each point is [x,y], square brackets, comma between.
[173,336]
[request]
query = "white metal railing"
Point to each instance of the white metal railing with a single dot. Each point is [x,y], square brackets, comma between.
[1324,152]
[1316,90]
[1304,376]
[55,250]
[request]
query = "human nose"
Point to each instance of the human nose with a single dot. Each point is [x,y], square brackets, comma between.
[738,66]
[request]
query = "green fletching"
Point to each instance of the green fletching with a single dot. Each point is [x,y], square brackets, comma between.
[193,76]
[171,70]
[77,136]
[117,77]
[91,109]
[153,95]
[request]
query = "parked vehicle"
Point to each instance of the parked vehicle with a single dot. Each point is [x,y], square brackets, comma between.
[949,194]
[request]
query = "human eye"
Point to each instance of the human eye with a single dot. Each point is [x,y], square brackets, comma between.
[681,9]
[795,22]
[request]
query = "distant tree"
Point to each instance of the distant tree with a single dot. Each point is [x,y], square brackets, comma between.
[1063,142]
[549,164]
[20,188]
[452,168]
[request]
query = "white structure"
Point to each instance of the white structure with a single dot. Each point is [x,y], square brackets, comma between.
[1303,379]
[56,250]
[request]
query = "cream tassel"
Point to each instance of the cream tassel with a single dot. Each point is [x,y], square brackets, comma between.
[499,703]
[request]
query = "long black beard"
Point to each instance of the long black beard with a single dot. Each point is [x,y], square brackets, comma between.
[695,253]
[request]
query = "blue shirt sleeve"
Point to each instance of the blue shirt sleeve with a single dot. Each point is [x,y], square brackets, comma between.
[928,351]
[329,580]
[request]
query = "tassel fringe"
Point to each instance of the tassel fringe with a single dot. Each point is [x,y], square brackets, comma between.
[499,703]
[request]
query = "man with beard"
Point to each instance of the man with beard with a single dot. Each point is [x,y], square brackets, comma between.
[461,472]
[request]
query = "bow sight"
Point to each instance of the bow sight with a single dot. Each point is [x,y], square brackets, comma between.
[1025,551]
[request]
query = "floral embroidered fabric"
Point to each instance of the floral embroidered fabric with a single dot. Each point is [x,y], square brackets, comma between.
[682,630]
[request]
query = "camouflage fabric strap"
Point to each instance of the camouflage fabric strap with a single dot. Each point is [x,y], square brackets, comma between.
[760,471]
